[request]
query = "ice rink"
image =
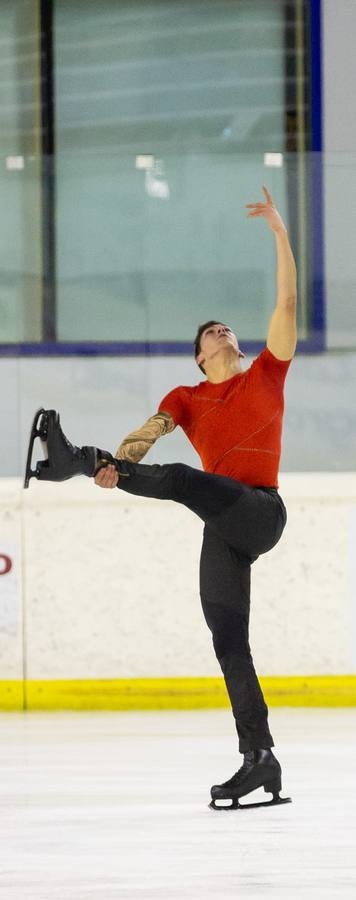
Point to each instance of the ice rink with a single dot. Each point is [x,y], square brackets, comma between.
[115,805]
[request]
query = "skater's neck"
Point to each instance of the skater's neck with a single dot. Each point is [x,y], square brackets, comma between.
[218,371]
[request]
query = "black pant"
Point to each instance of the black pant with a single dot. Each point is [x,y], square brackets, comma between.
[241,522]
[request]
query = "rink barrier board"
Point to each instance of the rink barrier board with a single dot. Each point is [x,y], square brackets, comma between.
[171,693]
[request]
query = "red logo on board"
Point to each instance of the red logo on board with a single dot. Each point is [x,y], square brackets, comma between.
[5,564]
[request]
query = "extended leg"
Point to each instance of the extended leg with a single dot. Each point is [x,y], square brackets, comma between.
[205,494]
[249,519]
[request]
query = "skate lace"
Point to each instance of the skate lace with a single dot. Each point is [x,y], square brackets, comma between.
[76,451]
[232,782]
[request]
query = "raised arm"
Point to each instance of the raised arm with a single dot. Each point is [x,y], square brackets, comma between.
[135,446]
[282,331]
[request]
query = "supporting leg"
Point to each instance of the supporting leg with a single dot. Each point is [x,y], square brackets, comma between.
[225,597]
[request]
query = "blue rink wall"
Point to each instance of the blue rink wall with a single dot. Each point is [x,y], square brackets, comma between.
[100,608]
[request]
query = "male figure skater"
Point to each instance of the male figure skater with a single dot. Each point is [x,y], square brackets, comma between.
[234,421]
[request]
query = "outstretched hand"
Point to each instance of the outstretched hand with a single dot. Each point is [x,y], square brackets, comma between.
[268,211]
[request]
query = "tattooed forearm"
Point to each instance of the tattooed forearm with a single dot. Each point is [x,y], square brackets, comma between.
[137,443]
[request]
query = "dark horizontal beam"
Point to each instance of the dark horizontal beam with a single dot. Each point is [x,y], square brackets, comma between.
[136,348]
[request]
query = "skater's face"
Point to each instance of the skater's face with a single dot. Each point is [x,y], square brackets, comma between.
[214,340]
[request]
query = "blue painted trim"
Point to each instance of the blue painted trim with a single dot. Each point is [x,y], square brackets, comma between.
[316,75]
[126,348]
[318,319]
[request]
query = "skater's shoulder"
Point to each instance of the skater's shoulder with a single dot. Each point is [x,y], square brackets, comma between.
[186,393]
[268,368]
[183,389]
[267,358]
[177,399]
[179,389]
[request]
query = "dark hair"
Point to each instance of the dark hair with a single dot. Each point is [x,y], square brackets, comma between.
[198,336]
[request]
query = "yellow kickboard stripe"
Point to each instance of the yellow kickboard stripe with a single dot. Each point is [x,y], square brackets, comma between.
[172,693]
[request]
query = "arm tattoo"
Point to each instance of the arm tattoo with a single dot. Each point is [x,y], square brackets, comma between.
[137,443]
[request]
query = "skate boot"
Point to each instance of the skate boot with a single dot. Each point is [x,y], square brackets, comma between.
[260,769]
[62,459]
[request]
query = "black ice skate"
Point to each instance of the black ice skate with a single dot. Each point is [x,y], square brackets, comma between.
[260,769]
[62,459]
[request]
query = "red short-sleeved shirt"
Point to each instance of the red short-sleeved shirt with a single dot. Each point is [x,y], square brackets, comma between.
[236,426]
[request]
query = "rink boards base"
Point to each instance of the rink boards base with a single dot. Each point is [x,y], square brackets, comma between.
[171,693]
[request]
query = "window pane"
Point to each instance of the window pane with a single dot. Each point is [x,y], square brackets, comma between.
[20,214]
[198,91]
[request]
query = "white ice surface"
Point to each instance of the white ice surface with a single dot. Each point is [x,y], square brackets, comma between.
[110,806]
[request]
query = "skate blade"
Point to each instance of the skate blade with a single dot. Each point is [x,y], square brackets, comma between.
[235,804]
[38,430]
